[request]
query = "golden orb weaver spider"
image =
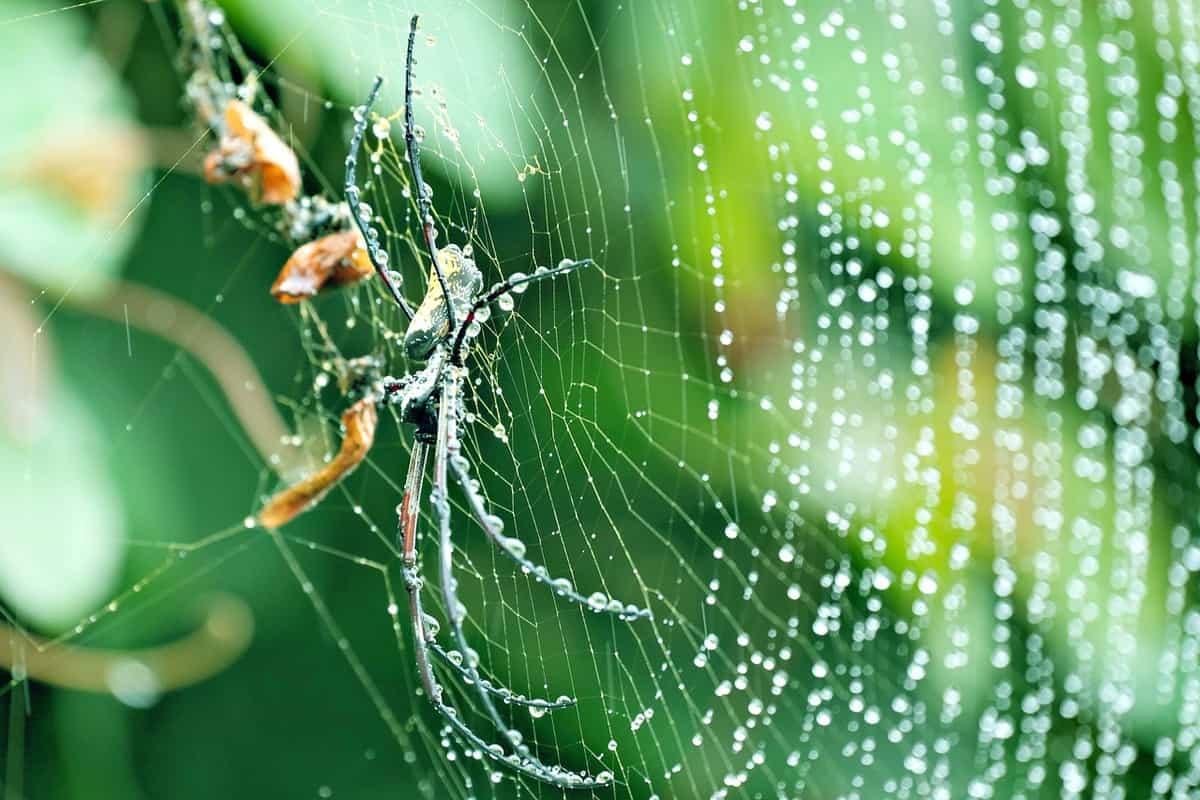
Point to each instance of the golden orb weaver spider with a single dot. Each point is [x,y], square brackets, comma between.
[331,253]
[430,399]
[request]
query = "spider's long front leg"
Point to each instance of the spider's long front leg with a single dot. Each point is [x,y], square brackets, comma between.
[464,664]
[514,549]
[520,761]
[378,256]
[418,393]
[428,232]
[514,283]
[410,505]
[409,513]
[597,602]
[422,638]
[492,525]
[455,612]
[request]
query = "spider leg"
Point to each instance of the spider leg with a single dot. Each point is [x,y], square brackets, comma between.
[525,765]
[514,549]
[379,257]
[411,503]
[455,661]
[491,525]
[408,561]
[455,611]
[512,284]
[424,627]
[428,231]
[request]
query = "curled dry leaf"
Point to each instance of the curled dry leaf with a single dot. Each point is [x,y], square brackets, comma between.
[251,153]
[338,259]
[359,421]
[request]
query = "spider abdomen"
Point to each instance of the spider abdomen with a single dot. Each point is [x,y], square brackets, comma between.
[431,323]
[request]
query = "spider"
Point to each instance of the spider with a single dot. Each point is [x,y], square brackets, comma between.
[251,154]
[430,400]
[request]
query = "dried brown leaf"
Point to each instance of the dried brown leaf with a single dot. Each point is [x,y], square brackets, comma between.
[251,153]
[338,259]
[359,421]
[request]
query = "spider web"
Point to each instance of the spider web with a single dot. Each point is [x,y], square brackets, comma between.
[875,397]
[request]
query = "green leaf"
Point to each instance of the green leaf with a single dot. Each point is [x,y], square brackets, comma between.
[61,546]
[71,170]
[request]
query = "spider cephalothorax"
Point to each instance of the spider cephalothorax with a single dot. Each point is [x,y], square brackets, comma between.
[416,396]
[430,399]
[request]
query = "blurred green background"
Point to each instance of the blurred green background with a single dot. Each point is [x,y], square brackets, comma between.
[882,398]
